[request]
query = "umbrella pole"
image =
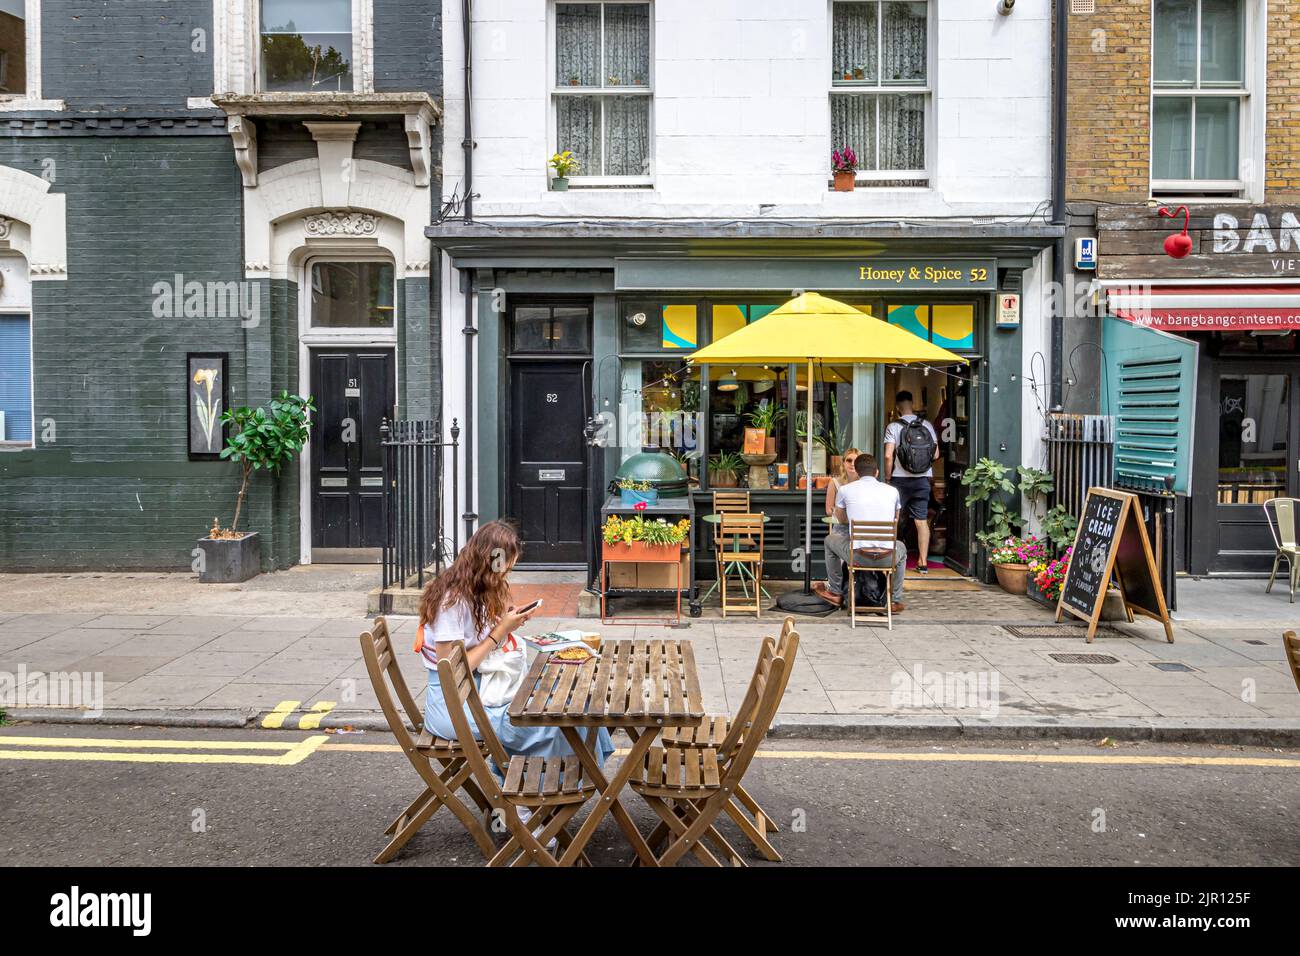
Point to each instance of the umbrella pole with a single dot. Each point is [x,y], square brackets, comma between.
[808,485]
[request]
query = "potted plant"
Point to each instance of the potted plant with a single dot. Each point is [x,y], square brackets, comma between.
[844,166]
[575,79]
[1059,527]
[639,539]
[724,469]
[767,416]
[564,164]
[632,491]
[860,71]
[1011,560]
[801,437]
[834,438]
[260,440]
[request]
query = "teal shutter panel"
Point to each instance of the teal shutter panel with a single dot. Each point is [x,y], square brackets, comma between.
[16,377]
[1151,392]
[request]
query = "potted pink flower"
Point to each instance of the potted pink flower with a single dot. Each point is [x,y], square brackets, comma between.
[844,167]
[1011,560]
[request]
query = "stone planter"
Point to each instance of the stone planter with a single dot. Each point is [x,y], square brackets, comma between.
[1012,578]
[230,560]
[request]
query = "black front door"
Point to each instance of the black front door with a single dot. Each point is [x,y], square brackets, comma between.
[354,391]
[547,484]
[1258,432]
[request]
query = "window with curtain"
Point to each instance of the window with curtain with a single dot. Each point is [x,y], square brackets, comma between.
[602,88]
[1198,96]
[306,46]
[13,48]
[880,86]
[15,379]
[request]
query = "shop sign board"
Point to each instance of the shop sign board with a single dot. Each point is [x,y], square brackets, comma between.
[868,273]
[1227,242]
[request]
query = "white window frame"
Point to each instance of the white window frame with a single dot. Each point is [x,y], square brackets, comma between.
[31,99]
[349,335]
[1247,186]
[926,89]
[602,92]
[237,50]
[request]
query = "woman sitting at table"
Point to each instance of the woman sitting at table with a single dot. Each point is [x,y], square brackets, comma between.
[468,603]
[846,475]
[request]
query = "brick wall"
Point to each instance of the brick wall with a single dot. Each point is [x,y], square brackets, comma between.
[1109,144]
[1282,126]
[124,55]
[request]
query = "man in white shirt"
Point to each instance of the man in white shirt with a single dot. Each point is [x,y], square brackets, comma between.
[905,441]
[866,499]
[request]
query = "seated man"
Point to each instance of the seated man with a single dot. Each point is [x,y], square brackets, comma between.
[866,499]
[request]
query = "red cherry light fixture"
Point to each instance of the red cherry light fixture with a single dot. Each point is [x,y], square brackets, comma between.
[1179,244]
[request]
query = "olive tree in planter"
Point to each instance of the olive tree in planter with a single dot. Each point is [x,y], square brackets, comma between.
[260,439]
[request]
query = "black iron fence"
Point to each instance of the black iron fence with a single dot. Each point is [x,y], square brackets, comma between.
[1080,455]
[416,460]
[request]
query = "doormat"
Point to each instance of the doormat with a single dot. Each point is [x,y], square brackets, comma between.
[933,582]
[1072,631]
[1084,658]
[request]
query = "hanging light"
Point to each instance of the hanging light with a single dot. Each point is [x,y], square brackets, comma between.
[729,384]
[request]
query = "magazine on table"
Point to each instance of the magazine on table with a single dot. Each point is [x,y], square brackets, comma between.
[557,640]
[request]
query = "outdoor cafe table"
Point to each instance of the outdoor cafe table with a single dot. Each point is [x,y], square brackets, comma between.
[640,686]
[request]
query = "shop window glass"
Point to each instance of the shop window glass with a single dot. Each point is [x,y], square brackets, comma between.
[661,406]
[948,326]
[1253,427]
[352,295]
[13,48]
[833,413]
[550,328]
[741,398]
[728,318]
[306,45]
[654,327]
[15,379]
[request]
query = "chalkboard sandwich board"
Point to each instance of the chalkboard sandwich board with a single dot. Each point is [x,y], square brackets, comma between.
[1112,542]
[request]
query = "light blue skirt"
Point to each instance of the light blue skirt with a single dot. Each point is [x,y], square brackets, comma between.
[517,741]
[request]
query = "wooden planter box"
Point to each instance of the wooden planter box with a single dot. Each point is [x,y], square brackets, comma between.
[639,552]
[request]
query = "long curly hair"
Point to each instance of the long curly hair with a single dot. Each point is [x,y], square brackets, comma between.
[477,577]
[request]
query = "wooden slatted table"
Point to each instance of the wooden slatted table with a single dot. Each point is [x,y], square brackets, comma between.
[640,686]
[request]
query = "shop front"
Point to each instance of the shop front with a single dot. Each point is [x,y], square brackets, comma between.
[580,368]
[1236,299]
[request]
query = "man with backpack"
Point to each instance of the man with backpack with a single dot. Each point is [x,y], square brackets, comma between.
[911,449]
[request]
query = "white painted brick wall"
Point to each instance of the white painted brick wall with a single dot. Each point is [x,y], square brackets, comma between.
[742,115]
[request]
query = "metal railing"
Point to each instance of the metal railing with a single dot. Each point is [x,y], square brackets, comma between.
[415,480]
[1080,455]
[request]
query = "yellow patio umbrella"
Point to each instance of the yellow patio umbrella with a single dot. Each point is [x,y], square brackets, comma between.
[815,328]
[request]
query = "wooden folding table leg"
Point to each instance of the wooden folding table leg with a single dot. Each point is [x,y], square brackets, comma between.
[607,799]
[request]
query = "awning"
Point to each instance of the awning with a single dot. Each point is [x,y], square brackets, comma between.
[1208,308]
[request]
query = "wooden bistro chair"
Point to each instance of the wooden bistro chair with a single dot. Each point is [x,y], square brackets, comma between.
[872,531]
[723,734]
[726,502]
[741,552]
[1283,516]
[424,751]
[553,788]
[1292,644]
[689,787]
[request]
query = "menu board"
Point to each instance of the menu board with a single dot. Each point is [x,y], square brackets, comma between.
[1112,542]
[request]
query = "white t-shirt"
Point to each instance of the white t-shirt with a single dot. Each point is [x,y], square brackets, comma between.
[453,623]
[892,436]
[869,499]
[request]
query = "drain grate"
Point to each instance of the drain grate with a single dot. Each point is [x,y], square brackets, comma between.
[1072,631]
[1169,666]
[1084,658]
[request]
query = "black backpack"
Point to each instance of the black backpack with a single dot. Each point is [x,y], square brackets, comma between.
[870,586]
[915,447]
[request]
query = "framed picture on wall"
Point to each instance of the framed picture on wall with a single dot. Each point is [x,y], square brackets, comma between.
[205,389]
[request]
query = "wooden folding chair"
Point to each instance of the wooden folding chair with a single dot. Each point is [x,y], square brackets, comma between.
[553,788]
[873,531]
[689,787]
[423,751]
[724,735]
[1292,644]
[724,503]
[741,549]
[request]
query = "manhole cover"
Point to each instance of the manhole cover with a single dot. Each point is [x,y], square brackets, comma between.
[1084,658]
[1169,666]
[1072,631]
[1258,643]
